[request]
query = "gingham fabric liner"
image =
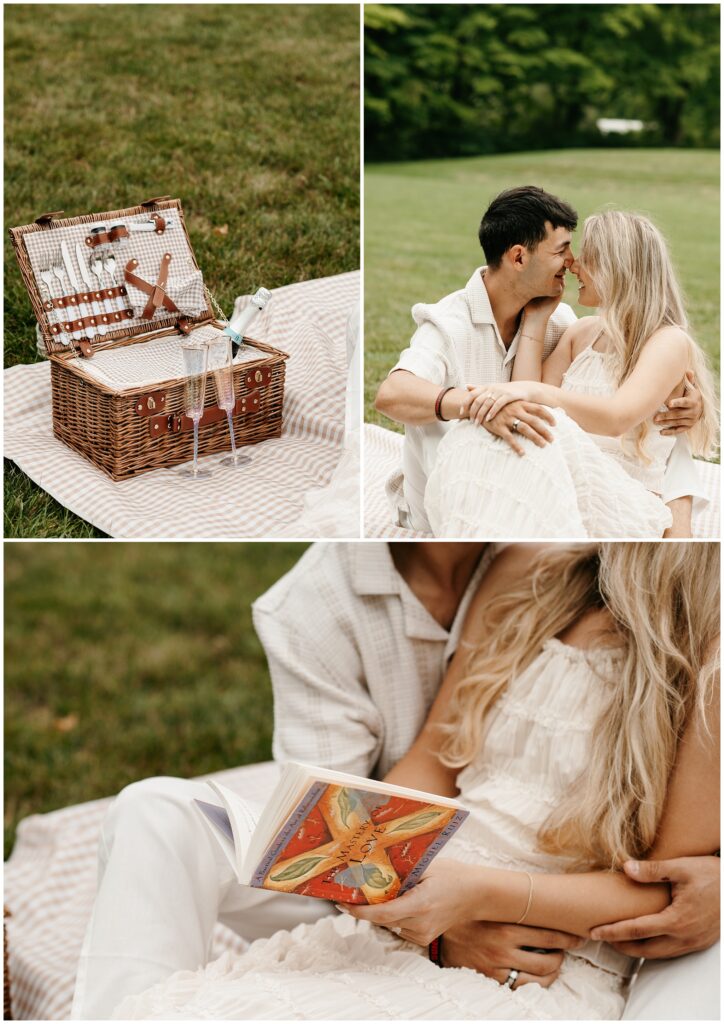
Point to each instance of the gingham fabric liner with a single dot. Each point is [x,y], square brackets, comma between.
[151,362]
[146,246]
[50,882]
[307,320]
[383,457]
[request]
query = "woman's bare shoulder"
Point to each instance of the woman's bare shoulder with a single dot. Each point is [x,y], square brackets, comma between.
[511,564]
[583,331]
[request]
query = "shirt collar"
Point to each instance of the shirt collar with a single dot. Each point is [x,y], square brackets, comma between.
[372,570]
[374,575]
[481,312]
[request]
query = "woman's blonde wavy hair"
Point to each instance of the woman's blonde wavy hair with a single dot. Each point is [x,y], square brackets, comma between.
[628,260]
[663,601]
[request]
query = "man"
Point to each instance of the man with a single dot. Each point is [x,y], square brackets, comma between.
[470,338]
[358,638]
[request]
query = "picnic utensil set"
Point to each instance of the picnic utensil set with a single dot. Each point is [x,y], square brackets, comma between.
[107,281]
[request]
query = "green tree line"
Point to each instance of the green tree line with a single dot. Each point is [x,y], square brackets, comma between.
[471,79]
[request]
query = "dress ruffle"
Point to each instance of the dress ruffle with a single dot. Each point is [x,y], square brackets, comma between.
[569,489]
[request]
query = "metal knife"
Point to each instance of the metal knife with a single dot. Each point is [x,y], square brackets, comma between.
[81,255]
[70,271]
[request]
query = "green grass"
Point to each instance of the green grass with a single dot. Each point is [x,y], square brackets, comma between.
[129,660]
[249,114]
[421,223]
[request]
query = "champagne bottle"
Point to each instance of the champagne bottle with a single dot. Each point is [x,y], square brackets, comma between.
[238,326]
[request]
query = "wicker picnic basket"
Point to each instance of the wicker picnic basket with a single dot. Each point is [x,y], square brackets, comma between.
[121,425]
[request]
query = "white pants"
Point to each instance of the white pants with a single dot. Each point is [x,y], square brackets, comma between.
[163,883]
[683,989]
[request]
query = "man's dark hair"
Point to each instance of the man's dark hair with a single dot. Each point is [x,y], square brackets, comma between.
[518,217]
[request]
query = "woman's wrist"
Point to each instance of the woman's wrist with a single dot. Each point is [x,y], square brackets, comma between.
[502,895]
[534,334]
[544,394]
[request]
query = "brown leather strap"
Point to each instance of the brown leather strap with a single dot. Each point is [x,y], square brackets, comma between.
[160,223]
[45,218]
[259,377]
[91,321]
[101,237]
[62,301]
[152,404]
[153,202]
[177,424]
[156,293]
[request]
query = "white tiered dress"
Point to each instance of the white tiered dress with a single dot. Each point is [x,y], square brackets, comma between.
[537,744]
[581,485]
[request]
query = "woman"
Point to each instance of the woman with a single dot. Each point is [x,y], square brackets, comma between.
[607,378]
[576,690]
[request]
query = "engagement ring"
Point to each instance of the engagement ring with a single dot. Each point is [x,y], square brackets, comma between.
[515,425]
[512,978]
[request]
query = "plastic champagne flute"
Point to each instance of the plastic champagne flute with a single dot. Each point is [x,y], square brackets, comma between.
[195,358]
[221,365]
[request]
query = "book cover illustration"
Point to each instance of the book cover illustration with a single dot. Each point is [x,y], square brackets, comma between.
[354,846]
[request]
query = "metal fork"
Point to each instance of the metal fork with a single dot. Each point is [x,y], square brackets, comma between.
[59,271]
[46,276]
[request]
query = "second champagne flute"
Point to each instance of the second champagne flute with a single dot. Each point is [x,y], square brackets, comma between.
[195,356]
[222,367]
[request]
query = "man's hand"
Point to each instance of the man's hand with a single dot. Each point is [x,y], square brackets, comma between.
[533,423]
[689,923]
[682,413]
[495,949]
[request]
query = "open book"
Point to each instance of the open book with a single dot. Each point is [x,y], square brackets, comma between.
[335,836]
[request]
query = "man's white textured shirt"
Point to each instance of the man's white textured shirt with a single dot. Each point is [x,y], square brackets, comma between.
[456,343]
[355,659]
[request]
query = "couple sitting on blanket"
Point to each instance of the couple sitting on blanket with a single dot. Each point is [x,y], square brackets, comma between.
[523,422]
[568,693]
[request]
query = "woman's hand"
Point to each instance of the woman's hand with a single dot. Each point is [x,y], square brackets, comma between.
[442,898]
[538,312]
[486,401]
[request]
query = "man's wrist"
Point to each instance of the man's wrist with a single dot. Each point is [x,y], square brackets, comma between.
[451,402]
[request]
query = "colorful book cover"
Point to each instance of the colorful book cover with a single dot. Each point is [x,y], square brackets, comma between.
[354,846]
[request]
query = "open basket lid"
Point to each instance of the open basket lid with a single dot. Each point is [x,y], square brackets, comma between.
[149,242]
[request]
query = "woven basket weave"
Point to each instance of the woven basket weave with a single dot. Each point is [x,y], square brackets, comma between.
[104,425]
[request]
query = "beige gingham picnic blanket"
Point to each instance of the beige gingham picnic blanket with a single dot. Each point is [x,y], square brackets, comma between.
[266,499]
[383,459]
[50,884]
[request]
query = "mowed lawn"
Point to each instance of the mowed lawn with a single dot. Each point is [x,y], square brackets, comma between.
[248,114]
[129,660]
[421,224]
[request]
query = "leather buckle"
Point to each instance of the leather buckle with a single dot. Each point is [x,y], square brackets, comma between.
[152,404]
[258,377]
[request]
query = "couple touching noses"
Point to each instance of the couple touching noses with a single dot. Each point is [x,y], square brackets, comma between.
[593,406]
